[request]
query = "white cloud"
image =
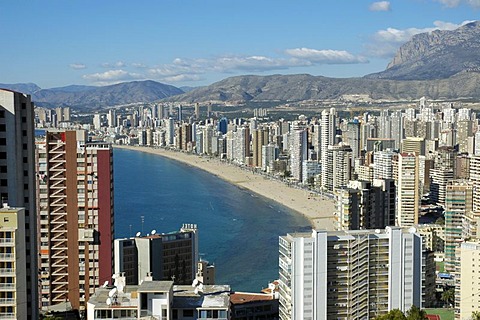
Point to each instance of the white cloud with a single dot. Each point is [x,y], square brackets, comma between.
[380,6]
[385,43]
[182,78]
[77,66]
[325,56]
[456,3]
[139,65]
[182,70]
[112,76]
[118,64]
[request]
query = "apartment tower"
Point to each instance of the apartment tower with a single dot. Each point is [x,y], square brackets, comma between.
[349,274]
[17,178]
[76,216]
[408,189]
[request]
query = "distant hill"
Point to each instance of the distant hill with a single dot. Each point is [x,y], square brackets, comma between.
[436,55]
[91,98]
[28,88]
[306,87]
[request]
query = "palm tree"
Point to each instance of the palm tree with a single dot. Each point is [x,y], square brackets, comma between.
[415,313]
[448,297]
[394,314]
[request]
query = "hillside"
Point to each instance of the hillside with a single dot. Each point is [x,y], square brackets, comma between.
[87,97]
[307,87]
[436,55]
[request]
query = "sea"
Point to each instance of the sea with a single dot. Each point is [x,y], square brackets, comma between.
[238,230]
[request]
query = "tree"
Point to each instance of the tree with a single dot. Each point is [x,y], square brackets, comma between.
[475,315]
[448,297]
[415,313]
[394,314]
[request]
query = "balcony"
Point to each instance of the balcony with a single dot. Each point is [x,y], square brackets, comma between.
[7,257]
[7,286]
[7,272]
[7,241]
[7,301]
[6,315]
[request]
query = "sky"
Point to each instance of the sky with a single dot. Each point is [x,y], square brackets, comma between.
[198,42]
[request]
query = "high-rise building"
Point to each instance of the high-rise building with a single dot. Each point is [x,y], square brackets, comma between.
[298,153]
[17,178]
[353,138]
[383,165]
[474,175]
[349,274]
[259,139]
[442,172]
[112,118]
[328,131]
[458,202]
[75,183]
[336,171]
[13,264]
[171,256]
[467,281]
[408,189]
[365,205]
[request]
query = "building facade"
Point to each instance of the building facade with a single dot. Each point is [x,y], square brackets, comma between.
[75,183]
[349,274]
[17,178]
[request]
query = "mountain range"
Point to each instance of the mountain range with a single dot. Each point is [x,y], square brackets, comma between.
[93,98]
[437,65]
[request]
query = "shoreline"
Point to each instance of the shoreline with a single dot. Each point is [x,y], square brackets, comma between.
[317,210]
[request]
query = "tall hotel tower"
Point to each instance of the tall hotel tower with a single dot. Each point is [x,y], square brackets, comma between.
[349,274]
[408,189]
[17,180]
[75,183]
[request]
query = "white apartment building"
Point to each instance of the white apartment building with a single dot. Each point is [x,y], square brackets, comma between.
[467,281]
[13,271]
[408,189]
[349,274]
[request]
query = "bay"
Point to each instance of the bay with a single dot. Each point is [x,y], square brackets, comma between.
[238,230]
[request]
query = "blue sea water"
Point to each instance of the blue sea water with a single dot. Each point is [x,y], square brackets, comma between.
[238,230]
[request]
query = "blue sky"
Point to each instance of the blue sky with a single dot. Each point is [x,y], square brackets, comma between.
[198,42]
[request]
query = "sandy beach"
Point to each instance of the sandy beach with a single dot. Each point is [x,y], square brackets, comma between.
[317,209]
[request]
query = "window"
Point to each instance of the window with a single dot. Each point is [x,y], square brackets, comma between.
[3,155]
[188,313]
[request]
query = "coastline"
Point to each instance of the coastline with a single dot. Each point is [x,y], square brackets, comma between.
[317,210]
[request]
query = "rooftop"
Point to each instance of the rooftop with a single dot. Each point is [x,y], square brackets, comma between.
[155,286]
[246,297]
[211,297]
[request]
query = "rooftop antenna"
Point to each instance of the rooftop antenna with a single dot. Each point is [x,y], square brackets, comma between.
[143,220]
[109,301]
[153,232]
[138,234]
[105,284]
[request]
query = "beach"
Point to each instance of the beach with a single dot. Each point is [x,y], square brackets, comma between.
[317,209]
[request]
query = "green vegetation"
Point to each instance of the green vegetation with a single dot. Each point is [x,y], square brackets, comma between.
[414,313]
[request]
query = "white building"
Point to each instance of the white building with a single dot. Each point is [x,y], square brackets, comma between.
[349,274]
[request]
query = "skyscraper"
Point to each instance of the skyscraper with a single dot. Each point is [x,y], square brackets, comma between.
[17,178]
[408,189]
[298,152]
[458,202]
[349,274]
[76,215]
